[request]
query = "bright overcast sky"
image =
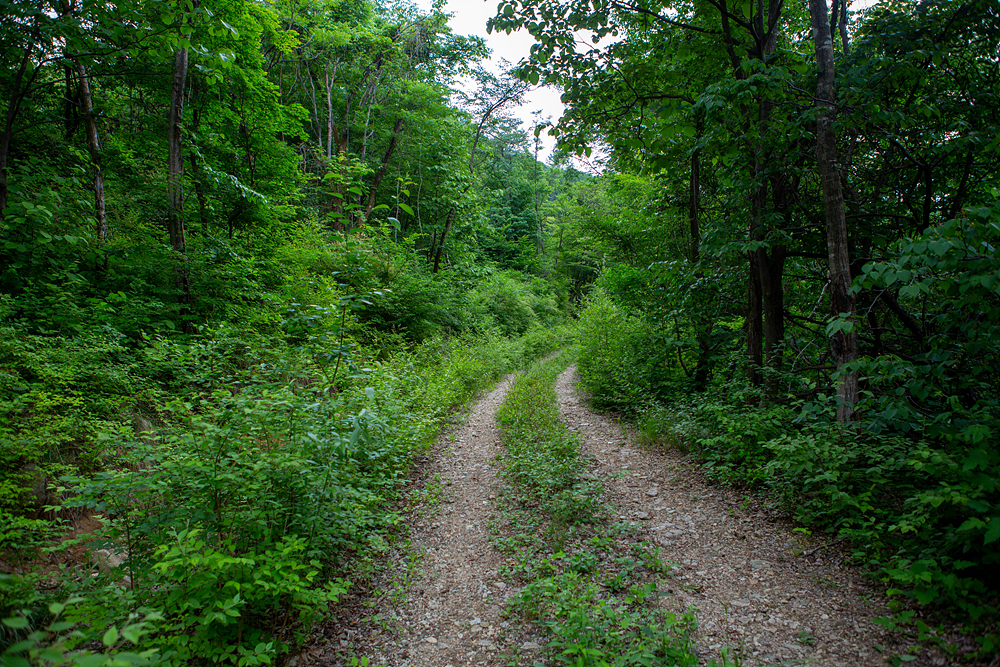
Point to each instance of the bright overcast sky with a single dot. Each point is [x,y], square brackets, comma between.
[469,18]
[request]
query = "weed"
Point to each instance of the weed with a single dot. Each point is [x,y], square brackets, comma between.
[588,623]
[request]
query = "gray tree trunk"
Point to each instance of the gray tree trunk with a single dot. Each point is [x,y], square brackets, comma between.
[843,344]
[94,146]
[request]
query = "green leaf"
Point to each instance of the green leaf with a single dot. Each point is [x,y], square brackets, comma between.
[110,637]
[17,622]
[992,530]
[406,208]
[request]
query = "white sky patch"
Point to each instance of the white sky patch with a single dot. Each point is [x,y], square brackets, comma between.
[469,17]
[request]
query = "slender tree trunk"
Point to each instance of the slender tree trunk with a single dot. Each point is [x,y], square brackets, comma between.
[703,323]
[771,268]
[380,174]
[843,344]
[444,235]
[539,246]
[175,157]
[20,91]
[437,248]
[71,94]
[765,327]
[196,176]
[329,114]
[755,331]
[175,179]
[94,145]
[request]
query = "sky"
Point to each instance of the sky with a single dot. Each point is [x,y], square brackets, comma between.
[469,18]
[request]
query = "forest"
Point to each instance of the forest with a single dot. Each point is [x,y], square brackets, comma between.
[255,256]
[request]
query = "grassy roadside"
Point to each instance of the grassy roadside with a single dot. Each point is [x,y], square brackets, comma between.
[235,522]
[588,588]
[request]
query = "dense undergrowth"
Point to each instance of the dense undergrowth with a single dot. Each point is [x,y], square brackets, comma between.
[588,587]
[242,472]
[911,486]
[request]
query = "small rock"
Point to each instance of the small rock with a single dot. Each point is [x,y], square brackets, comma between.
[107,559]
[483,642]
[530,646]
[652,492]
[759,564]
[431,640]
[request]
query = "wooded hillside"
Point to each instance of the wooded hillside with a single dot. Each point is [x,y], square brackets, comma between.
[253,254]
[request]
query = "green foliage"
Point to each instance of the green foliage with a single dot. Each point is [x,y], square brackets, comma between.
[541,457]
[599,606]
[514,304]
[57,641]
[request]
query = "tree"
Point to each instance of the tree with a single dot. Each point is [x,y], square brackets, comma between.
[844,342]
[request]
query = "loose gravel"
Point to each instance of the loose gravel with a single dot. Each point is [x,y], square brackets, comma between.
[757,587]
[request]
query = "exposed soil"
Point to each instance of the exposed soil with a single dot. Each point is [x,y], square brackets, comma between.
[756,585]
[449,611]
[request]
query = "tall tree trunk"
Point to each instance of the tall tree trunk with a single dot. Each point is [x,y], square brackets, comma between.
[328,80]
[444,235]
[539,246]
[512,93]
[843,344]
[765,326]
[175,157]
[20,91]
[94,145]
[755,331]
[703,322]
[175,178]
[380,174]
[71,102]
[196,175]
[771,268]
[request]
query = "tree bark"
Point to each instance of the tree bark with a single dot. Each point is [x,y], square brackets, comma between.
[175,157]
[444,235]
[843,344]
[175,179]
[94,146]
[19,93]
[328,80]
[755,332]
[771,269]
[703,322]
[380,174]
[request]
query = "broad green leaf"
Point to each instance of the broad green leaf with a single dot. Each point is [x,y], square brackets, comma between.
[992,530]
